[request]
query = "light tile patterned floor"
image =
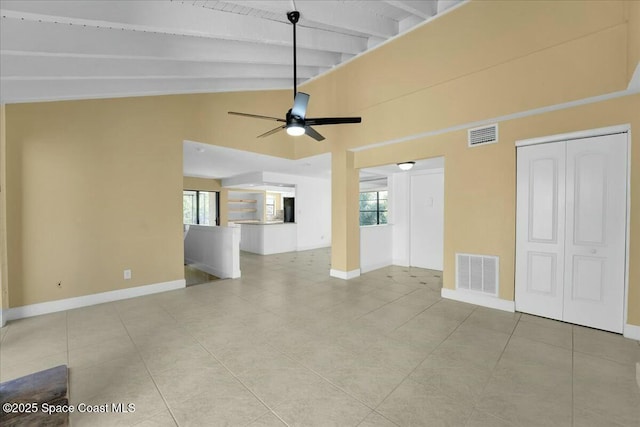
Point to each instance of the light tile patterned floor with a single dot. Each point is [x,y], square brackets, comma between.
[287,345]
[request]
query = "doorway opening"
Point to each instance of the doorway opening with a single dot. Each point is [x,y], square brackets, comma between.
[402,216]
[199,208]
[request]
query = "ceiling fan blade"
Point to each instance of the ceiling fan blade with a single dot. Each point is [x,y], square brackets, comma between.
[255,116]
[272,131]
[313,133]
[332,120]
[300,105]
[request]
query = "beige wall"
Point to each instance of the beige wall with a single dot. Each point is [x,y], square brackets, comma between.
[200,184]
[212,123]
[94,188]
[482,60]
[480,185]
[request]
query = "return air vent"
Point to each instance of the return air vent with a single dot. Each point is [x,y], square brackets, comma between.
[483,135]
[477,273]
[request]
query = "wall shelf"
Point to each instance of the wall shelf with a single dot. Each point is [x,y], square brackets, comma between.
[246,206]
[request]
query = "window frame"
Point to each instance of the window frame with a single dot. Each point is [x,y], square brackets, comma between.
[377,210]
[197,205]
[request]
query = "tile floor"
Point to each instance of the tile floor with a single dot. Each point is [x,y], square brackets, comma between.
[287,345]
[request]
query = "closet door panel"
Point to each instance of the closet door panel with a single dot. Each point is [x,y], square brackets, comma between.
[540,229]
[596,232]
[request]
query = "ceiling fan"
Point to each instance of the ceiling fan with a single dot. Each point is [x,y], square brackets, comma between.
[296,121]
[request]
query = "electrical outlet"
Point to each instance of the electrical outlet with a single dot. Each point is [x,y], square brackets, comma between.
[127,274]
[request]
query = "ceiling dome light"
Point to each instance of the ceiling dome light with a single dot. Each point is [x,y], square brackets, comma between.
[405,166]
[295,130]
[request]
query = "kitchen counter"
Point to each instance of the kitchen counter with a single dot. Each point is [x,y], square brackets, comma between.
[267,223]
[269,237]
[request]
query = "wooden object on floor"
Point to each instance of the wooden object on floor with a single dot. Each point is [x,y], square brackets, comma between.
[49,386]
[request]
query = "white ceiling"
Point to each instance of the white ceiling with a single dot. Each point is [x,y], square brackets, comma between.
[376,178]
[212,161]
[386,170]
[51,50]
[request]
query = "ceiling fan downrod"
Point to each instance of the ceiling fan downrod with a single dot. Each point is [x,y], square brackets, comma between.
[294,17]
[296,121]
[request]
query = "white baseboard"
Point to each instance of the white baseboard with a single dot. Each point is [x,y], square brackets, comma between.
[87,300]
[346,275]
[311,247]
[368,268]
[3,318]
[478,299]
[632,332]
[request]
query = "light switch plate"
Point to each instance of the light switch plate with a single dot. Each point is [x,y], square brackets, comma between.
[127,274]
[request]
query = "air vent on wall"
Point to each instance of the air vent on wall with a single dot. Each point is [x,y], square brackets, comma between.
[483,135]
[477,273]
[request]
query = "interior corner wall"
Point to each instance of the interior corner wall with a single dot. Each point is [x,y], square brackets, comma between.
[313,213]
[224,207]
[633,37]
[399,218]
[480,184]
[95,187]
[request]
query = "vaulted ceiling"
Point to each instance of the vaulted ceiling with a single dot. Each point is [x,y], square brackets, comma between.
[51,50]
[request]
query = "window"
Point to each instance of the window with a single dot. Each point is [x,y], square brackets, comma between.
[373,208]
[200,207]
[271,205]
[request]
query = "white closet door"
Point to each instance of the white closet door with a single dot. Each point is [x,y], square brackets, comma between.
[427,220]
[596,232]
[540,229]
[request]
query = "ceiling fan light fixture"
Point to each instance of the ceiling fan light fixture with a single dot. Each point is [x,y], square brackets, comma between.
[295,129]
[405,166]
[296,122]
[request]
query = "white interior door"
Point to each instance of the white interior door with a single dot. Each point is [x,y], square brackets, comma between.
[427,220]
[571,230]
[540,229]
[596,238]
